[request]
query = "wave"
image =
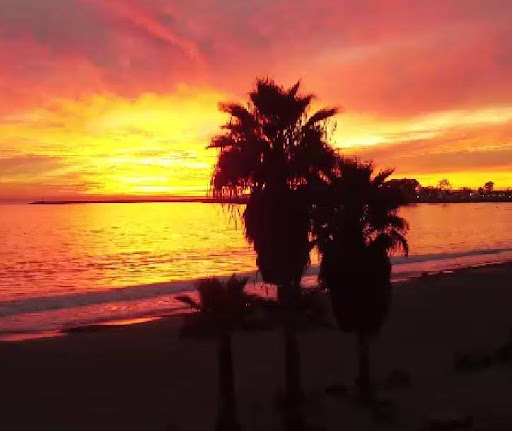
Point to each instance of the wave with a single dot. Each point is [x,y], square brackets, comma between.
[404,267]
[118,294]
[444,256]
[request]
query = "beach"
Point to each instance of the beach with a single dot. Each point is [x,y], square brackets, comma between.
[145,377]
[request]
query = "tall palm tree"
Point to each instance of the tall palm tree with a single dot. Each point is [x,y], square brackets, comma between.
[221,308]
[273,154]
[357,226]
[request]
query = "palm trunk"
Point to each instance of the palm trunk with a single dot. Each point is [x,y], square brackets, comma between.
[227,419]
[293,387]
[293,420]
[364,380]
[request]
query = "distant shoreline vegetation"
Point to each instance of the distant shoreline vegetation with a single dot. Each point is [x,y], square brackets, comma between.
[458,198]
[444,193]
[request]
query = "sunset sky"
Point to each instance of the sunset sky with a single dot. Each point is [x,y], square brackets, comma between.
[119,97]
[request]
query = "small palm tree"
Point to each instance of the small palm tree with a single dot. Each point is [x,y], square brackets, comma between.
[221,308]
[356,226]
[274,154]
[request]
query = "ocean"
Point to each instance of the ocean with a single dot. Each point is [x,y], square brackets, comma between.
[63,266]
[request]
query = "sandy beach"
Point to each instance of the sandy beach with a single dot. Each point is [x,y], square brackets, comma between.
[144,377]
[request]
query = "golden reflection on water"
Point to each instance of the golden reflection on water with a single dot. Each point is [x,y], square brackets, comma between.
[452,228]
[79,247]
[49,250]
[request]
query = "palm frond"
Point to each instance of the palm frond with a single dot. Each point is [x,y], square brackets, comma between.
[398,223]
[221,141]
[238,111]
[382,176]
[321,115]
[187,300]
[210,292]
[399,242]
[292,91]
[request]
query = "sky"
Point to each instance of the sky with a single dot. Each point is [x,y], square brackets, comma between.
[120,97]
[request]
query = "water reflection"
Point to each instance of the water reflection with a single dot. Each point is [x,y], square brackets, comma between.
[48,250]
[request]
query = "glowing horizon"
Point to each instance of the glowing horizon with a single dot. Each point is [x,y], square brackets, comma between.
[120,98]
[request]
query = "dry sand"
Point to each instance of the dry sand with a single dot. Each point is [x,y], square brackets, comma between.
[143,377]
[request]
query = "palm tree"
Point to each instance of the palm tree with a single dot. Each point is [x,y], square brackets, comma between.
[221,308]
[273,154]
[356,226]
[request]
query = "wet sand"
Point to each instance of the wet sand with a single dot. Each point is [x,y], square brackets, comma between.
[144,377]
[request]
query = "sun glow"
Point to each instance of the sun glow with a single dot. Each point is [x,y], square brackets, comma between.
[154,144]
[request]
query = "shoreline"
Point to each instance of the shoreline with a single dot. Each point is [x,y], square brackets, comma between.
[131,274]
[176,313]
[202,199]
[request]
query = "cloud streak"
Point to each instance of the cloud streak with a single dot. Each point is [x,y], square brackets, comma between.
[143,19]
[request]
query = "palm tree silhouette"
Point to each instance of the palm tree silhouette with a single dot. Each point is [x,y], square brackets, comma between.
[221,308]
[274,154]
[356,226]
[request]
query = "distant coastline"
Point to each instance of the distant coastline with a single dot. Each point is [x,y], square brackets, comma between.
[455,200]
[207,200]
[414,192]
[199,199]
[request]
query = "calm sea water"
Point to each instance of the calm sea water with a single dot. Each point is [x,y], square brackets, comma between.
[76,264]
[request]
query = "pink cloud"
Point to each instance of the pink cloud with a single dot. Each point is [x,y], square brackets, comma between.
[392,57]
[144,19]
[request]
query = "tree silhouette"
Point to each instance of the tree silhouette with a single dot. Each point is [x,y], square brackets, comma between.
[221,308]
[410,187]
[275,154]
[444,185]
[489,186]
[356,226]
